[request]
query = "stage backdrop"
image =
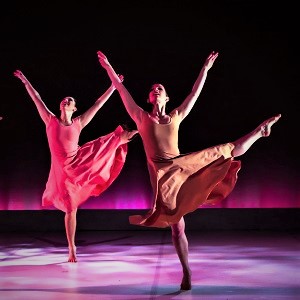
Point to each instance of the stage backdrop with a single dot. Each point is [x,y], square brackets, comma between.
[255,77]
[263,181]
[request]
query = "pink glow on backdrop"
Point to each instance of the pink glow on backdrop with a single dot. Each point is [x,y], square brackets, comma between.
[256,188]
[247,195]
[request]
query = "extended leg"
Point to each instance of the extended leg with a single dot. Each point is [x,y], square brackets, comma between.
[70,225]
[181,245]
[245,142]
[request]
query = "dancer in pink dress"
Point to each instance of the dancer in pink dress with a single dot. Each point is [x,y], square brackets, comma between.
[78,172]
[182,182]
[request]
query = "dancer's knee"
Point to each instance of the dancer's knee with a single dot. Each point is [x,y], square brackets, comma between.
[178,229]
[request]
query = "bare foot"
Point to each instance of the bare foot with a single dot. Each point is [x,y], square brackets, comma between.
[186,283]
[127,136]
[265,127]
[72,255]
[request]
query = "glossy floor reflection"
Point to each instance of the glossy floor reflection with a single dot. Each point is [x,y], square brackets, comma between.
[143,265]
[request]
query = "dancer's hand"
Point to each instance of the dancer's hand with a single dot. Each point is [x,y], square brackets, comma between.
[103,59]
[121,77]
[21,76]
[210,60]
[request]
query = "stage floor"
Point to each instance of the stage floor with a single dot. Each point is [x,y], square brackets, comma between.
[143,265]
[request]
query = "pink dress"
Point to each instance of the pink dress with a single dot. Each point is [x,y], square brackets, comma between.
[78,172]
[182,182]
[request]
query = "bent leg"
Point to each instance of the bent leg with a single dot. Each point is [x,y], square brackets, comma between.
[181,245]
[245,142]
[70,226]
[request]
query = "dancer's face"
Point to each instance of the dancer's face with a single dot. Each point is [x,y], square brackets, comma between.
[68,104]
[158,94]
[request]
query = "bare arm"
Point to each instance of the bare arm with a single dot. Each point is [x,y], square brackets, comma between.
[86,117]
[191,99]
[132,108]
[44,112]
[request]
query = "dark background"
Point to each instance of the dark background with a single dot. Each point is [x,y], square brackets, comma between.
[254,78]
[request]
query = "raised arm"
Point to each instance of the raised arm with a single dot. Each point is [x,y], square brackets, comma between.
[86,117]
[44,112]
[132,108]
[190,100]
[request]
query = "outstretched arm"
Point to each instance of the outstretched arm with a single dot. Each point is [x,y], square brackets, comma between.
[86,117]
[44,112]
[132,108]
[191,99]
